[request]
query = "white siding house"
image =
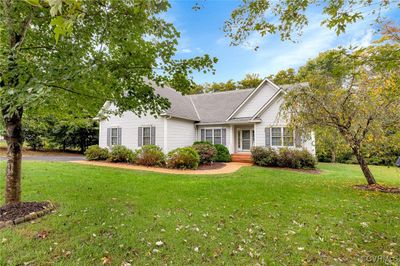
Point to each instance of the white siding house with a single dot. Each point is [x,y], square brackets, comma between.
[238,119]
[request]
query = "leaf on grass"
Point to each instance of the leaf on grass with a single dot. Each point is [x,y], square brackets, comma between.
[106,260]
[42,234]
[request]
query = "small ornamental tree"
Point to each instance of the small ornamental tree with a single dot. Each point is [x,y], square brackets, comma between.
[354,92]
[67,57]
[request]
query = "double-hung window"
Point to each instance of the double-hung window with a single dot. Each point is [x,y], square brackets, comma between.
[114,135]
[146,135]
[279,137]
[214,135]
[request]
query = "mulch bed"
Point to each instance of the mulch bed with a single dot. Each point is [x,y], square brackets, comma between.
[16,213]
[212,166]
[379,188]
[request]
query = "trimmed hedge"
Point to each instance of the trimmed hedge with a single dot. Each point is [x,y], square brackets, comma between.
[284,157]
[183,158]
[206,151]
[95,153]
[121,154]
[223,154]
[150,155]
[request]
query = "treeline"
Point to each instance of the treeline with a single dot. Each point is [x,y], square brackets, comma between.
[52,133]
[250,81]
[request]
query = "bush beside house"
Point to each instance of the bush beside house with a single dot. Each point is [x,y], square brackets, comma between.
[152,155]
[183,158]
[95,153]
[206,151]
[223,154]
[284,157]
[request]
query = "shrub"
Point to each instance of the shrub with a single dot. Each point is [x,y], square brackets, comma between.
[223,154]
[264,156]
[150,155]
[95,153]
[206,151]
[120,153]
[201,142]
[284,157]
[307,160]
[183,158]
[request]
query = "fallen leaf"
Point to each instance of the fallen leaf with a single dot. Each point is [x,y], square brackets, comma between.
[106,260]
[42,234]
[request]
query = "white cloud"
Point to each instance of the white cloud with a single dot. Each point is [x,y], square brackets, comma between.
[185,51]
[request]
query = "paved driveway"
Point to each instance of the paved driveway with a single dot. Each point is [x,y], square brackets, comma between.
[50,158]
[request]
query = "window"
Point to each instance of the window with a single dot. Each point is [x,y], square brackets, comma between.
[276,136]
[287,137]
[146,135]
[281,136]
[214,135]
[217,136]
[209,135]
[114,136]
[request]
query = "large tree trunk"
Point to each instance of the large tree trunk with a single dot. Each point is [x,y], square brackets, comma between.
[14,140]
[364,167]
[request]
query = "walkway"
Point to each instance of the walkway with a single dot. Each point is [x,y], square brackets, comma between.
[227,169]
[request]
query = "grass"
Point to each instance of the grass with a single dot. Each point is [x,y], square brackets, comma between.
[253,216]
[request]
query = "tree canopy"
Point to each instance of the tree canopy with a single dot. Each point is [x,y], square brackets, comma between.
[67,57]
[356,92]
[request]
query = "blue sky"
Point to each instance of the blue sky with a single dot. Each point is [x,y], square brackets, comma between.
[201,32]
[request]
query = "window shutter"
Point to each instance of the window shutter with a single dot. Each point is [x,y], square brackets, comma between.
[140,138]
[267,137]
[119,131]
[297,139]
[109,137]
[223,136]
[153,135]
[203,137]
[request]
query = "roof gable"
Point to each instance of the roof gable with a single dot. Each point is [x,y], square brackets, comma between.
[255,100]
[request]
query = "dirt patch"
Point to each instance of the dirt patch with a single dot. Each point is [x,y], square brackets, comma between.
[212,166]
[14,211]
[379,188]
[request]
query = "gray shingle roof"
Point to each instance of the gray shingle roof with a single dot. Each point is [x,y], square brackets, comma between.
[181,106]
[216,107]
[205,108]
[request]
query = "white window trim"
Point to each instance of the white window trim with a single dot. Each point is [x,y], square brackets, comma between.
[143,127]
[212,130]
[111,136]
[282,136]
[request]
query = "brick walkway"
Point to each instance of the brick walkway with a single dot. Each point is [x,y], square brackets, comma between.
[227,169]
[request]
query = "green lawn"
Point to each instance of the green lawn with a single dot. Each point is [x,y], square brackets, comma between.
[255,215]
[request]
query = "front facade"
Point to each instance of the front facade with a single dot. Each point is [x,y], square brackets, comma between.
[237,119]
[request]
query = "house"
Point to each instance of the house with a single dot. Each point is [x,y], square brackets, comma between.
[238,119]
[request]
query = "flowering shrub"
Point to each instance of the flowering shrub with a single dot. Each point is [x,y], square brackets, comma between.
[206,151]
[183,158]
[150,155]
[95,153]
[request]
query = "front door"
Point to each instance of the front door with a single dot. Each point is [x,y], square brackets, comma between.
[245,139]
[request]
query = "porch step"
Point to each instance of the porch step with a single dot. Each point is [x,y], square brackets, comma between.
[241,157]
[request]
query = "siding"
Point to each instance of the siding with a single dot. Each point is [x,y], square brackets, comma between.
[256,101]
[271,117]
[129,123]
[180,133]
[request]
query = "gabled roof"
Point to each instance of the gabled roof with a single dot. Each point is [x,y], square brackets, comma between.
[216,107]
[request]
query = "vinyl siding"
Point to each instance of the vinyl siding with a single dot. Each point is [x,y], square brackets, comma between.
[180,133]
[256,101]
[271,117]
[129,123]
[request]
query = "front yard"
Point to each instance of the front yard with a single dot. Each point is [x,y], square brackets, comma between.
[254,215]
